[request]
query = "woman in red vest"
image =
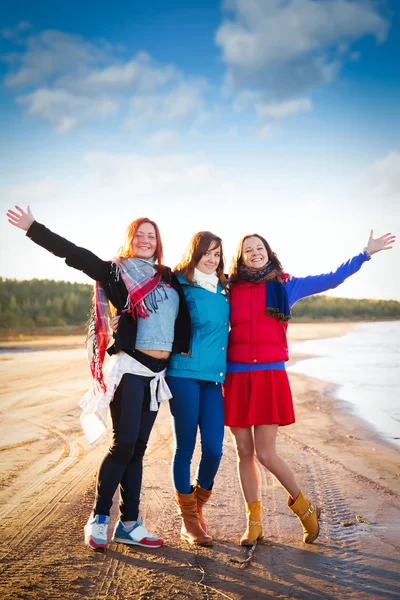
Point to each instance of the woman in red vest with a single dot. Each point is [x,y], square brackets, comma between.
[257,396]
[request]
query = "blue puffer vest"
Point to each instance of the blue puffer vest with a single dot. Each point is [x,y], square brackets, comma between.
[209,313]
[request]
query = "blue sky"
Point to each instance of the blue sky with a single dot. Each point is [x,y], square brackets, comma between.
[280,116]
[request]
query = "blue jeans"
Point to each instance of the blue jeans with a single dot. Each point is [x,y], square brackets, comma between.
[196,404]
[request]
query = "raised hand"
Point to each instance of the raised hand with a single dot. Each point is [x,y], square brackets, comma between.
[385,242]
[20,219]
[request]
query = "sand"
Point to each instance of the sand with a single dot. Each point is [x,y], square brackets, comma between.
[47,479]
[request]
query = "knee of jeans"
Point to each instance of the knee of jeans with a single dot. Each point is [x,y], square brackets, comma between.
[140,449]
[212,452]
[122,453]
[185,454]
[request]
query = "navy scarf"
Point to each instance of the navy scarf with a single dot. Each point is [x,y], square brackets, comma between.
[277,302]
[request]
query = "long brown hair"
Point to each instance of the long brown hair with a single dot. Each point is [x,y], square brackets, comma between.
[237,258]
[197,247]
[126,250]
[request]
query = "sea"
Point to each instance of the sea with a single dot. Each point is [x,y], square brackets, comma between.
[365,365]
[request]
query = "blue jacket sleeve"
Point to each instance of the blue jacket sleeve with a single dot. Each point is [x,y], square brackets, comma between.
[300,287]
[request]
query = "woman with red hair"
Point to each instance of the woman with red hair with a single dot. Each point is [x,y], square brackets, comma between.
[154,322]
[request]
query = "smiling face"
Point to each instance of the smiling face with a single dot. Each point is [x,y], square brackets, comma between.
[254,253]
[210,260]
[144,244]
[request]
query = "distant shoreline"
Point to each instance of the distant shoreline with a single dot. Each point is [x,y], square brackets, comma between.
[43,333]
[40,333]
[60,339]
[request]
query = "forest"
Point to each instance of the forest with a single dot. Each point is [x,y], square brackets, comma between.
[39,303]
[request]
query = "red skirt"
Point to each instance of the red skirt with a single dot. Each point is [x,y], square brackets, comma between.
[258,398]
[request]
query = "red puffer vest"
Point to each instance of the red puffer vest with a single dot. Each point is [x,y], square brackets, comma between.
[254,337]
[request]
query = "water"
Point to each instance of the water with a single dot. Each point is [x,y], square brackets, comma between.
[365,364]
[12,350]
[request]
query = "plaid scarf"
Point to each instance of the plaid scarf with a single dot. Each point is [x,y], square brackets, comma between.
[140,279]
[277,303]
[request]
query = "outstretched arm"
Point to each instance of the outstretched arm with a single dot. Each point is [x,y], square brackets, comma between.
[76,257]
[300,287]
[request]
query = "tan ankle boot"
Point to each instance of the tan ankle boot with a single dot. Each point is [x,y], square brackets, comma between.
[202,496]
[254,529]
[308,513]
[191,530]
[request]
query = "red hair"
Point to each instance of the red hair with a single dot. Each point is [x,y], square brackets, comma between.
[126,250]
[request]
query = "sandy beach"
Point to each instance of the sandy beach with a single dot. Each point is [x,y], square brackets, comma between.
[47,479]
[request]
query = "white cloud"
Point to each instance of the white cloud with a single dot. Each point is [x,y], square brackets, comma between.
[52,54]
[266,130]
[65,110]
[287,45]
[164,139]
[138,72]
[279,30]
[68,81]
[282,110]
[33,192]
[383,178]
[182,101]
[11,33]
[141,175]
[245,99]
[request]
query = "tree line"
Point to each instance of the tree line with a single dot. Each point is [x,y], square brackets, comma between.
[321,307]
[37,303]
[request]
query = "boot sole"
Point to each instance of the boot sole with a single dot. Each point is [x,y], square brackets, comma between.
[197,543]
[317,534]
[260,537]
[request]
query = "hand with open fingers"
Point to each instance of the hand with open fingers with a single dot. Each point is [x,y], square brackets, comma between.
[114,323]
[385,242]
[20,219]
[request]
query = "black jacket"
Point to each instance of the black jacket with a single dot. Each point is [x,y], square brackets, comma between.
[103,271]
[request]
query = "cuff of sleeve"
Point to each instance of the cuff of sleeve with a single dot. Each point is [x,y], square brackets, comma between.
[31,231]
[367,254]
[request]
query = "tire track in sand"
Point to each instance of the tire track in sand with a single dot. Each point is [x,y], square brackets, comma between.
[48,494]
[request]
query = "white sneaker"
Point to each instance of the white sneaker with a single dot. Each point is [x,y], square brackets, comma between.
[137,536]
[96,532]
